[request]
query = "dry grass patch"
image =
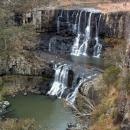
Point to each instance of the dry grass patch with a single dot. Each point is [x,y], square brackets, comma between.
[15,124]
[105,112]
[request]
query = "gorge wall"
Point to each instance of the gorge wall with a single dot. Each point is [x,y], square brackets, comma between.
[64,25]
[60,25]
[58,29]
[113,24]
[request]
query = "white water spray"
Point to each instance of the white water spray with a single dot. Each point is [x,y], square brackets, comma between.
[60,81]
[75,24]
[72,96]
[84,46]
[98,46]
[82,50]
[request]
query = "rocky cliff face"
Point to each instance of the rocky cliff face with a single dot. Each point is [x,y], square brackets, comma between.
[112,24]
[58,27]
[25,74]
[89,95]
[24,65]
[19,57]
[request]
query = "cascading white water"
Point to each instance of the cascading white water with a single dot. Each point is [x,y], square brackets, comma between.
[80,45]
[60,84]
[58,20]
[79,21]
[88,28]
[98,46]
[75,47]
[81,50]
[75,24]
[60,81]
[84,46]
[72,96]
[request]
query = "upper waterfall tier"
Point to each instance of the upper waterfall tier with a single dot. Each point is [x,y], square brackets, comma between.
[75,21]
[82,26]
[85,23]
[77,31]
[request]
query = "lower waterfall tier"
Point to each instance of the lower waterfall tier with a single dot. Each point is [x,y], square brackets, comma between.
[60,86]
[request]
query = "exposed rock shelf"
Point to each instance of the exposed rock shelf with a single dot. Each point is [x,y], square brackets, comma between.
[113,23]
[3,108]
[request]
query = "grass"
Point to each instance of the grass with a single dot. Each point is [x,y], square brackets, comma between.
[18,124]
[111,75]
[104,113]
[114,41]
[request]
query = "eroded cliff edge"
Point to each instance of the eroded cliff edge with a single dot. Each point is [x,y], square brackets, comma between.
[113,23]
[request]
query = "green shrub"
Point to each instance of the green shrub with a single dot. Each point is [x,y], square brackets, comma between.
[111,75]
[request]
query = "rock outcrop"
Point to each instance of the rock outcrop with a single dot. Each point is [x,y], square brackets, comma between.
[89,95]
[3,108]
[113,24]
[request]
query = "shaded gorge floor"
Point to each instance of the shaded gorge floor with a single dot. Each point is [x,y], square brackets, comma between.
[50,114]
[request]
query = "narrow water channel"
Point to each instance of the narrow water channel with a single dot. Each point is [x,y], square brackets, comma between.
[50,114]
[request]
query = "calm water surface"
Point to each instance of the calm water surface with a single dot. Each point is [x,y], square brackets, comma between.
[50,114]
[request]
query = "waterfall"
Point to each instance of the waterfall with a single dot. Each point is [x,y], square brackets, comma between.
[84,46]
[60,81]
[88,28]
[60,86]
[58,20]
[72,96]
[75,24]
[75,47]
[52,43]
[83,26]
[79,21]
[67,13]
[81,50]
[98,46]
[81,42]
